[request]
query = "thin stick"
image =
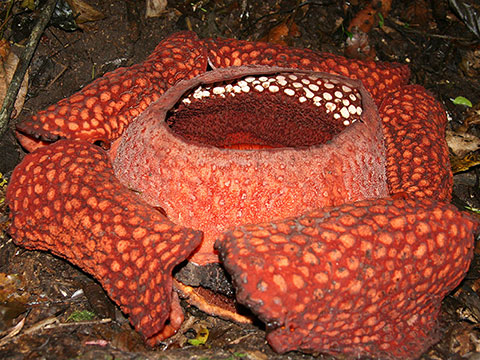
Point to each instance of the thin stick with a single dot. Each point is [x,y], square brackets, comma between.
[23,64]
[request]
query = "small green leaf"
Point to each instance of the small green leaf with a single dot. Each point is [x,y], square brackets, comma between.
[472,209]
[460,100]
[347,33]
[381,20]
[83,315]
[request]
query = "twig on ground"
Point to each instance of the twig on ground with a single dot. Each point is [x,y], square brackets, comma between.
[51,322]
[23,64]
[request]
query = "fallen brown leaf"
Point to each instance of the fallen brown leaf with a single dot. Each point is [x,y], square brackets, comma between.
[84,12]
[155,8]
[8,64]
[418,12]
[462,143]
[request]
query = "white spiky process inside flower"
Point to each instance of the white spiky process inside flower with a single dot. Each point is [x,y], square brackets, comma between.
[341,100]
[267,111]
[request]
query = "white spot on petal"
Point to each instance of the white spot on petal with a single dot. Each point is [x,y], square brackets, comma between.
[218,90]
[273,88]
[330,106]
[327,96]
[308,93]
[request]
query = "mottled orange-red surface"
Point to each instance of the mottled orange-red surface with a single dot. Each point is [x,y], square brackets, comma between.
[65,198]
[364,279]
[102,110]
[206,187]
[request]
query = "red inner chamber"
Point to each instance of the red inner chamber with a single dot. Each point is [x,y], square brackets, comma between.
[285,110]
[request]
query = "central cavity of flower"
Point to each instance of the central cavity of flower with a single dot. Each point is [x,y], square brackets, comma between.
[254,149]
[274,111]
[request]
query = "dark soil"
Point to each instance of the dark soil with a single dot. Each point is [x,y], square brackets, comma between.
[443,56]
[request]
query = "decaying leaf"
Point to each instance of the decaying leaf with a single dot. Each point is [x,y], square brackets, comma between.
[281,33]
[462,143]
[472,117]
[8,64]
[155,8]
[464,340]
[12,300]
[463,150]
[84,12]
[464,147]
[13,332]
[470,64]
[201,337]
[418,12]
[9,288]
[369,16]
[463,164]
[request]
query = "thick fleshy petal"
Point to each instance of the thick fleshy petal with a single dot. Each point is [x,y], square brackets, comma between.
[104,108]
[64,198]
[362,279]
[417,160]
